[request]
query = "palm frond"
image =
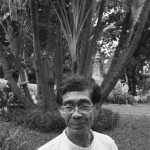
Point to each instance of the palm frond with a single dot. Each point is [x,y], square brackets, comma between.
[72,24]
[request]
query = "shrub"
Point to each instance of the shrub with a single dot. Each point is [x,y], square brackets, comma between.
[45,121]
[52,121]
[118,97]
[106,120]
[11,141]
[18,116]
[37,120]
[9,99]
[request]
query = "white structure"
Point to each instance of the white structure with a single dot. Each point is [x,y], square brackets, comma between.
[96,72]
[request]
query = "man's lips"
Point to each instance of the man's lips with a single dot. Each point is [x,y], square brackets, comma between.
[77,127]
[77,124]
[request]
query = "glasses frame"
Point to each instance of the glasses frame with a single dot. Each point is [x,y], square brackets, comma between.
[78,108]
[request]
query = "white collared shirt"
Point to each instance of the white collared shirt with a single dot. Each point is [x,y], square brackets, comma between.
[100,142]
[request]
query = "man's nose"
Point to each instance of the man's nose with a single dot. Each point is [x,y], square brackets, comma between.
[76,113]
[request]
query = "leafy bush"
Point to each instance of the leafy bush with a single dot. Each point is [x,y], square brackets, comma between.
[9,99]
[45,121]
[10,141]
[52,121]
[18,116]
[37,120]
[106,120]
[118,97]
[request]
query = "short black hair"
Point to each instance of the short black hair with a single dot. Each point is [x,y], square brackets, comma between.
[79,83]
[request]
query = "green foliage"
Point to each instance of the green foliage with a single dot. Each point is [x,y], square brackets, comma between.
[10,141]
[16,115]
[118,97]
[8,98]
[105,120]
[37,120]
[72,26]
[45,121]
[52,121]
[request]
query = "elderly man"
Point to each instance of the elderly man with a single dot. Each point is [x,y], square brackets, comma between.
[78,97]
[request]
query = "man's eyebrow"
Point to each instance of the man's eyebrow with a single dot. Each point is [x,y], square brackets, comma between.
[81,101]
[84,101]
[68,102]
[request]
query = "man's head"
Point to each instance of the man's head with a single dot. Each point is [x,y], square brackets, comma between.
[77,97]
[79,83]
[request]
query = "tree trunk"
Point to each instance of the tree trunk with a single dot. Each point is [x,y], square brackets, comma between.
[11,81]
[91,49]
[23,84]
[86,43]
[48,79]
[41,45]
[119,47]
[47,94]
[37,48]
[59,57]
[123,59]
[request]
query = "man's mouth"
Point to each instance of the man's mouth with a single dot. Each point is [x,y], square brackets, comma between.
[77,125]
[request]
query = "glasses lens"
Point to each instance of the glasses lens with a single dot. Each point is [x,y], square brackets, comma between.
[81,109]
[67,109]
[85,109]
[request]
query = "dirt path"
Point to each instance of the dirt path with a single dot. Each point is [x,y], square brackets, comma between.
[138,109]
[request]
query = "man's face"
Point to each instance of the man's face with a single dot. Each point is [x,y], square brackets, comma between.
[78,122]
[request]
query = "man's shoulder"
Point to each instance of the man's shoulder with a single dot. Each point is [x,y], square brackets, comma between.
[102,137]
[105,140]
[51,144]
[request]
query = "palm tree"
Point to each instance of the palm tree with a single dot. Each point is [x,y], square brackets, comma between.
[72,16]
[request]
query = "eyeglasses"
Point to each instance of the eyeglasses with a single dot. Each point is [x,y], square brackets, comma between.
[81,109]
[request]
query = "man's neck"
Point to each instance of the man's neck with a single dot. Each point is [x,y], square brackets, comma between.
[83,140]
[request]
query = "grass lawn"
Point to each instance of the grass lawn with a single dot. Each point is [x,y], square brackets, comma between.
[138,109]
[133,133]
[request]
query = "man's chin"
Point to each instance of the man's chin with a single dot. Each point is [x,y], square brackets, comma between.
[78,129]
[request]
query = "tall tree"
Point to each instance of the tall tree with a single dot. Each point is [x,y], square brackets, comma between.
[40,22]
[124,51]
[83,25]
[109,83]
[12,27]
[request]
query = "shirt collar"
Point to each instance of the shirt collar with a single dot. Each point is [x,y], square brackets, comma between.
[73,146]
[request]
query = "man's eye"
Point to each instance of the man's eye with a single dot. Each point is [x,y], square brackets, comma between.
[68,108]
[85,107]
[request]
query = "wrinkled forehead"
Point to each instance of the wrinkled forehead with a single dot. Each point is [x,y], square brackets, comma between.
[74,88]
[77,97]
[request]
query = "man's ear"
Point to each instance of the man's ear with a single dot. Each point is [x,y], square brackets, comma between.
[96,110]
[61,113]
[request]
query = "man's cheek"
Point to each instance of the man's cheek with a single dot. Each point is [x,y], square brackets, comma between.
[90,119]
[67,120]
